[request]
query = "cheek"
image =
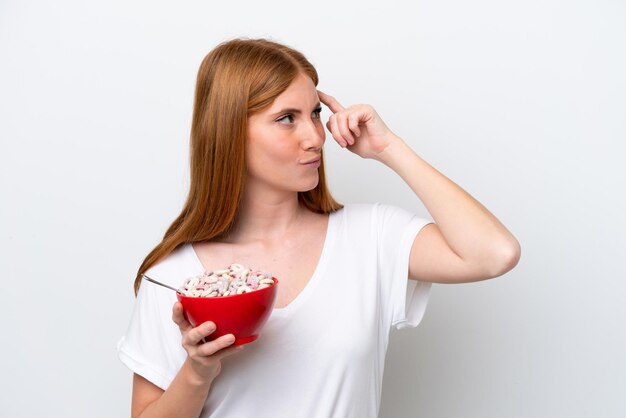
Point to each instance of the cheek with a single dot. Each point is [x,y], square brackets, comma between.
[269,152]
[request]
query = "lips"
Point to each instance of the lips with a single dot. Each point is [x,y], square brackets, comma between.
[314,160]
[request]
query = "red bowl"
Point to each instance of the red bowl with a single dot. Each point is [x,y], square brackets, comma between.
[241,315]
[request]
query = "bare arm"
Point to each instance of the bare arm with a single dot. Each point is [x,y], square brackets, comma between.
[467,243]
[185,396]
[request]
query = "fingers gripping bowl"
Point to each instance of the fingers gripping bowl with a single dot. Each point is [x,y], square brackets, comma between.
[242,313]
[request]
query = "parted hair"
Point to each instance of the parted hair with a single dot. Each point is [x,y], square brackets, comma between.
[236,79]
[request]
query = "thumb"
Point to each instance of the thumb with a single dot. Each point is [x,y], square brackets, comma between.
[178,317]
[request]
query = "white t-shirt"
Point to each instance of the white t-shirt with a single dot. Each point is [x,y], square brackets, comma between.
[323,354]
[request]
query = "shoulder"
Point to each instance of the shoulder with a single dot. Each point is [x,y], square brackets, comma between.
[376,211]
[367,218]
[357,210]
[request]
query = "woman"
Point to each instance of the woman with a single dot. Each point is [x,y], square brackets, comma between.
[347,274]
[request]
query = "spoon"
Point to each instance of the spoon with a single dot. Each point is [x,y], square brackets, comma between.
[159,283]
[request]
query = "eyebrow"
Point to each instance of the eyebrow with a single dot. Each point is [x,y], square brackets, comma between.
[294,110]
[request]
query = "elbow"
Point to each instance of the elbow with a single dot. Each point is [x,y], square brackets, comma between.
[505,258]
[500,259]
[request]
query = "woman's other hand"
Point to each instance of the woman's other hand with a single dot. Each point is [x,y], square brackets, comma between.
[358,128]
[204,358]
[187,393]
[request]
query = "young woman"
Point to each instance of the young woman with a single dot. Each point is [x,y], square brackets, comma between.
[347,274]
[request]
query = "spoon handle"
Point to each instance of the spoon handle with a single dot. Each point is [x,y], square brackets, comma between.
[159,283]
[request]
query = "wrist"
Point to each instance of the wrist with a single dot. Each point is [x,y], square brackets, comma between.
[393,152]
[195,379]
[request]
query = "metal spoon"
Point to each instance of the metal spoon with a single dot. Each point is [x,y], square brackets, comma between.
[159,283]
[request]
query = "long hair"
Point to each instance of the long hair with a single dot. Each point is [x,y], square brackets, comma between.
[236,79]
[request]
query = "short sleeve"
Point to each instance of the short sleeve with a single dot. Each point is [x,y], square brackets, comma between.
[152,346]
[404,300]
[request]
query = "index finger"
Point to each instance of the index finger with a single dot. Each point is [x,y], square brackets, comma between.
[330,101]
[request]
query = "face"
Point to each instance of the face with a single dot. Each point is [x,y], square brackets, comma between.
[284,143]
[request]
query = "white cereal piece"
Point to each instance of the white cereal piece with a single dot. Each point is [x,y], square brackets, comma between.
[243,289]
[237,267]
[266,281]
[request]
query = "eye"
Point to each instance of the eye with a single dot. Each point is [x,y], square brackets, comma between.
[288,115]
[317,112]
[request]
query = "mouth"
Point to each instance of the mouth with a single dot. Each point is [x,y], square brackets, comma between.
[313,161]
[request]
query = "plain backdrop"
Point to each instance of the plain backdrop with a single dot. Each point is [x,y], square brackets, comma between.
[522,103]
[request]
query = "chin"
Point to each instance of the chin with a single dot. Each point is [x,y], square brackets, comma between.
[309,185]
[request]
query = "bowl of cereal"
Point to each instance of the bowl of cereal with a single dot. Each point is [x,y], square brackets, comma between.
[237,299]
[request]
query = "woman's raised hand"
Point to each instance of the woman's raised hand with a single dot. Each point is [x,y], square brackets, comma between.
[204,358]
[358,128]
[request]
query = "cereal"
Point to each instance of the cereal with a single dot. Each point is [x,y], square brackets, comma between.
[234,280]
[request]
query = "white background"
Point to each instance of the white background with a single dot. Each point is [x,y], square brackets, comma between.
[521,103]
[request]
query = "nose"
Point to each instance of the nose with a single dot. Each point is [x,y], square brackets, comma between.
[314,136]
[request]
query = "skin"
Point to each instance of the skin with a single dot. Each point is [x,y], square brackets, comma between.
[467,243]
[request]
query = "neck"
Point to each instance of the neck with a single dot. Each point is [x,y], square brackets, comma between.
[266,216]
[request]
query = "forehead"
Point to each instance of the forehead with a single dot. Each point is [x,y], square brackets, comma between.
[301,91]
